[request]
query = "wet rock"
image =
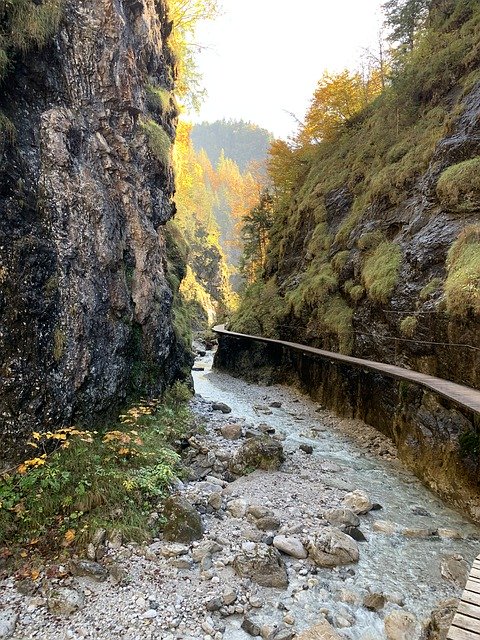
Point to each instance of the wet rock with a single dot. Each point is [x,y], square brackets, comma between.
[231,431]
[284,634]
[250,627]
[374,601]
[184,523]
[306,448]
[214,604]
[331,548]
[290,546]
[450,534]
[401,625]
[259,452]
[64,601]
[89,569]
[338,517]
[263,565]
[358,502]
[420,511]
[441,619]
[221,406]
[455,569]
[321,631]
[8,622]
[419,533]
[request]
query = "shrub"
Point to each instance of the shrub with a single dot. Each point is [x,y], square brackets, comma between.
[80,480]
[159,142]
[462,286]
[380,271]
[458,188]
[408,326]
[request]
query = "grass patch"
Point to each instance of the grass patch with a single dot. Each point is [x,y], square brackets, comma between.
[458,188]
[79,481]
[380,271]
[339,261]
[160,99]
[159,142]
[462,286]
[408,326]
[262,310]
[430,288]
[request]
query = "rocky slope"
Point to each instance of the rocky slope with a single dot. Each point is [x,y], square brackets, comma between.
[85,192]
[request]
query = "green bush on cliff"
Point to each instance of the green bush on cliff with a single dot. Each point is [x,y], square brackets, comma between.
[160,99]
[261,312]
[458,188]
[159,142]
[408,326]
[380,271]
[462,286]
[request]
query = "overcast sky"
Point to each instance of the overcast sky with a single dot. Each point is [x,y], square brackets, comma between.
[264,57]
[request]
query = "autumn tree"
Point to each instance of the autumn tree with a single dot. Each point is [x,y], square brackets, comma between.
[185,15]
[337,99]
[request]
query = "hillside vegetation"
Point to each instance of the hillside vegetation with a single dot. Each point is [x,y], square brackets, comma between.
[376,203]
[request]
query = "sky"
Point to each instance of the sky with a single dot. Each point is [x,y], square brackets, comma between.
[263,58]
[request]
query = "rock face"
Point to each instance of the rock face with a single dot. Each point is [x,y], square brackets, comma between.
[85,300]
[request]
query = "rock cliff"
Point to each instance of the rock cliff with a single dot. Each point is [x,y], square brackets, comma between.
[85,192]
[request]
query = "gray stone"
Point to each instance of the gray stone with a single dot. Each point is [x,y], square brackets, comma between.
[331,547]
[290,546]
[221,406]
[8,622]
[260,452]
[269,523]
[231,431]
[358,502]
[89,569]
[65,601]
[441,619]
[374,601]
[306,448]
[263,565]
[250,627]
[184,523]
[401,625]
[455,569]
[341,516]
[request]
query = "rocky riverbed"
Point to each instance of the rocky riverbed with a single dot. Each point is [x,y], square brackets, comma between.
[292,524]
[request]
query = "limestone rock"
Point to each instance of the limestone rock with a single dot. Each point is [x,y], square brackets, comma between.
[321,631]
[358,502]
[385,526]
[341,516]
[374,601]
[8,621]
[250,627]
[231,431]
[237,508]
[221,406]
[259,452]
[89,569]
[401,625]
[65,601]
[331,548]
[455,569]
[441,620]
[290,546]
[263,565]
[184,523]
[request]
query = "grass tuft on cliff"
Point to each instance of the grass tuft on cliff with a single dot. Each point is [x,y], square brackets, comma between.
[77,481]
[159,142]
[380,271]
[462,286]
[458,188]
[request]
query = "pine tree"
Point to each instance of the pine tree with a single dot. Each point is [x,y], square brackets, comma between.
[404,18]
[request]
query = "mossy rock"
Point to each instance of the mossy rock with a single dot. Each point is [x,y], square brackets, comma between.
[184,523]
[260,452]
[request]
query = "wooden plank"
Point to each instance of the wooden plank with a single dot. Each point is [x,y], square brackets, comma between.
[472,586]
[473,578]
[469,610]
[475,573]
[471,598]
[465,622]
[456,633]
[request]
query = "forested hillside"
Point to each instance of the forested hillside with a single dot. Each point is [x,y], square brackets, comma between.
[243,142]
[373,231]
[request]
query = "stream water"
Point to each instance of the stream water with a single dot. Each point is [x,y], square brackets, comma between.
[391,564]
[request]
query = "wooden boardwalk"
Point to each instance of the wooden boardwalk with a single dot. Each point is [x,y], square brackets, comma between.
[461,395]
[466,623]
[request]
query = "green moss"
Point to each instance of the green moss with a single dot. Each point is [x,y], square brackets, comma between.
[380,271]
[262,310]
[159,142]
[160,99]
[408,326]
[337,319]
[370,240]
[462,286]
[458,188]
[340,260]
[430,288]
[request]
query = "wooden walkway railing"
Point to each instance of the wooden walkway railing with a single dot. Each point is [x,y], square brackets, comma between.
[461,395]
